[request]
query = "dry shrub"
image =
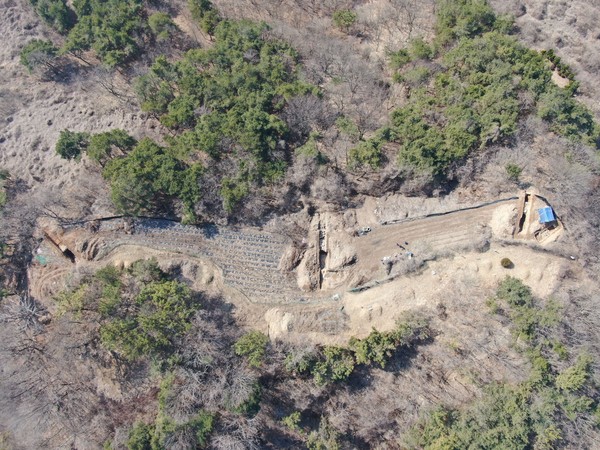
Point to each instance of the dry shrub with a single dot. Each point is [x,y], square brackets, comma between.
[506,263]
[330,188]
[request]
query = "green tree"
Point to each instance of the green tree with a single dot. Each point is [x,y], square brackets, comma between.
[70,144]
[202,425]
[568,117]
[292,421]
[156,89]
[399,59]
[253,346]
[102,146]
[416,76]
[513,171]
[575,377]
[463,18]
[419,49]
[337,364]
[162,26]
[159,315]
[299,362]
[199,8]
[348,127]
[344,19]
[180,113]
[112,28]
[325,438]
[377,347]
[366,153]
[39,56]
[140,437]
[55,13]
[515,292]
[233,192]
[205,14]
[146,270]
[147,177]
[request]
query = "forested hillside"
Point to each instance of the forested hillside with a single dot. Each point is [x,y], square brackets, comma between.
[296,120]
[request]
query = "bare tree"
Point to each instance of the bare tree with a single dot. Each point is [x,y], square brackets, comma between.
[25,312]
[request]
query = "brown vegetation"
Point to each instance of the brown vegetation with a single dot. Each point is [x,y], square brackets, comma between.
[61,387]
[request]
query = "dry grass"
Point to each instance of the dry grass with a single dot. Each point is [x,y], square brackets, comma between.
[571,28]
[470,347]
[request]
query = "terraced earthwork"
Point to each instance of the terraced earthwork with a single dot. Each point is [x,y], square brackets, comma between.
[249,259]
[439,233]
[258,264]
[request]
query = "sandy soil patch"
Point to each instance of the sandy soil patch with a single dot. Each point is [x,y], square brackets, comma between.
[381,306]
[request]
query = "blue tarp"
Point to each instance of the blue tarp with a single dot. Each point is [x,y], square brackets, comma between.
[546,215]
[41,259]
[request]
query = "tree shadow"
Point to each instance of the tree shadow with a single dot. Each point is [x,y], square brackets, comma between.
[273,438]
[69,72]
[401,360]
[353,441]
[210,231]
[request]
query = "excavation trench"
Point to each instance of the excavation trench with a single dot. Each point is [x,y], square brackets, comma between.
[63,249]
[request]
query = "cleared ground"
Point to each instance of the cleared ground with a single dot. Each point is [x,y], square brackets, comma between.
[432,234]
[244,265]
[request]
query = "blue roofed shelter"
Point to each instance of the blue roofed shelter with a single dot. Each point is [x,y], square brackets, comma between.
[546,215]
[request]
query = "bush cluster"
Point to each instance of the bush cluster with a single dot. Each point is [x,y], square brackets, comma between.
[513,171]
[3,196]
[337,363]
[71,144]
[253,345]
[474,97]
[115,30]
[144,176]
[506,263]
[344,19]
[142,312]
[563,69]
[223,101]
[531,414]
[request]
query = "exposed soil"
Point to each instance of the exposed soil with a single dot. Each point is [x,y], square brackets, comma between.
[243,266]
